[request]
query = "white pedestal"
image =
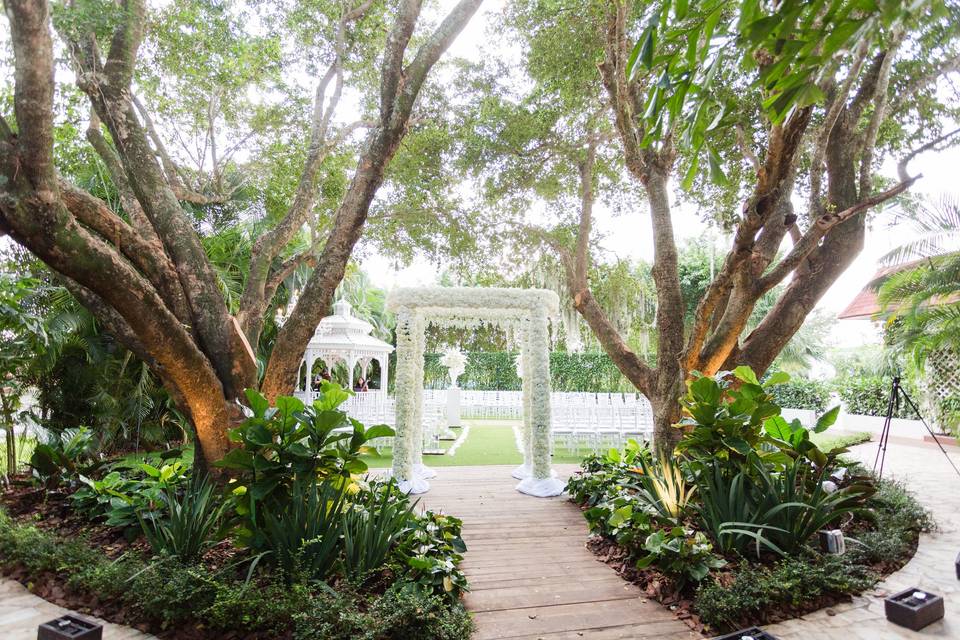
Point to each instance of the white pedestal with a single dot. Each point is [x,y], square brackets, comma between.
[453,407]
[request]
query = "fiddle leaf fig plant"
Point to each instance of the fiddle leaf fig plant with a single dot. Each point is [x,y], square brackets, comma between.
[290,441]
[733,415]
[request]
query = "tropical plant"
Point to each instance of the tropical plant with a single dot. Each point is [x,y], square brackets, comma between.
[732,416]
[921,294]
[778,511]
[302,536]
[128,490]
[429,554]
[186,524]
[682,553]
[372,524]
[291,441]
[64,456]
[665,486]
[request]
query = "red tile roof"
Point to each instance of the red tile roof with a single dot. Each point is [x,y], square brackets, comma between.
[865,304]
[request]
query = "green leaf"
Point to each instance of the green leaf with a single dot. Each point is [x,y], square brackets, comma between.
[778,377]
[706,390]
[257,401]
[691,173]
[827,420]
[778,428]
[717,176]
[746,374]
[288,405]
[149,469]
[739,445]
[379,431]
[236,459]
[680,8]
[841,36]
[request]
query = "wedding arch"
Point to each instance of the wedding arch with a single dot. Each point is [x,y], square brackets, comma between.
[525,315]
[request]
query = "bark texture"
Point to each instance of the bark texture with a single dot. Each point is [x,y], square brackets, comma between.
[825,242]
[146,278]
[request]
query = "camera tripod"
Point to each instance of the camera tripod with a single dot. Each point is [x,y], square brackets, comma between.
[893,404]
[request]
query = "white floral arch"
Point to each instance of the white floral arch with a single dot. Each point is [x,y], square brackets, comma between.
[525,314]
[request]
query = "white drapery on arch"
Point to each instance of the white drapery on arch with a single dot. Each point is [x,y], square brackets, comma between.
[525,314]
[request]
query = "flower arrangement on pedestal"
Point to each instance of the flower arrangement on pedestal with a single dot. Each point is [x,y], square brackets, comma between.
[456,363]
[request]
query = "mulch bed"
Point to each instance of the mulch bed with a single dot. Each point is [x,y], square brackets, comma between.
[50,511]
[661,588]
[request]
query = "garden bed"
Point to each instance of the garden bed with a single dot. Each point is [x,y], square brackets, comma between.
[725,533]
[297,545]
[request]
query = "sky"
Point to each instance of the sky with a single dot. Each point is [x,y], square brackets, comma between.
[628,235]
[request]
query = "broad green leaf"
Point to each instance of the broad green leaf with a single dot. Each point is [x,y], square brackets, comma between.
[778,377]
[257,401]
[746,374]
[778,428]
[827,420]
[288,405]
[739,445]
[236,459]
[379,431]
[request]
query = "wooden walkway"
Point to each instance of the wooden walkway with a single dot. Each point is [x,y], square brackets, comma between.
[531,576]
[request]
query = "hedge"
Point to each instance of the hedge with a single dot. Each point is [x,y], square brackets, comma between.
[869,396]
[802,394]
[492,370]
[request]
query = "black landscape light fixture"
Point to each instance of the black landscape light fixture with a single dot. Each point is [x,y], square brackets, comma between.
[913,608]
[753,633]
[70,627]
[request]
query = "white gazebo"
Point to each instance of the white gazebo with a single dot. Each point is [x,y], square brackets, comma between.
[342,337]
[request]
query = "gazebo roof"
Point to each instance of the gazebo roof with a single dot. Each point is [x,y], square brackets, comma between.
[343,332]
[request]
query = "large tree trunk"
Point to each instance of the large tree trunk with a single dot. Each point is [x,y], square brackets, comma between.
[149,281]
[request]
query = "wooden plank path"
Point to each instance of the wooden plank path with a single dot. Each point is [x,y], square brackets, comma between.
[531,576]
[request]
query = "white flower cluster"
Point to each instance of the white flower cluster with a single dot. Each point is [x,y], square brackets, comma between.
[456,363]
[525,314]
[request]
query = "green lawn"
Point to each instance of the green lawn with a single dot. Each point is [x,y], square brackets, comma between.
[827,440]
[488,442]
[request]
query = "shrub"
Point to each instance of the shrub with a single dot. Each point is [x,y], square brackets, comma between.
[430,552]
[130,488]
[684,554]
[371,527]
[801,394]
[492,370]
[186,525]
[302,537]
[63,456]
[408,613]
[869,396]
[167,594]
[756,591]
[289,442]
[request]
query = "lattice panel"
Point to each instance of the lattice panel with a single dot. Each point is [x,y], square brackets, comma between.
[940,383]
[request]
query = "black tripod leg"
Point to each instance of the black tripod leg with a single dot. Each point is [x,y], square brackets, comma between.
[929,430]
[885,432]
